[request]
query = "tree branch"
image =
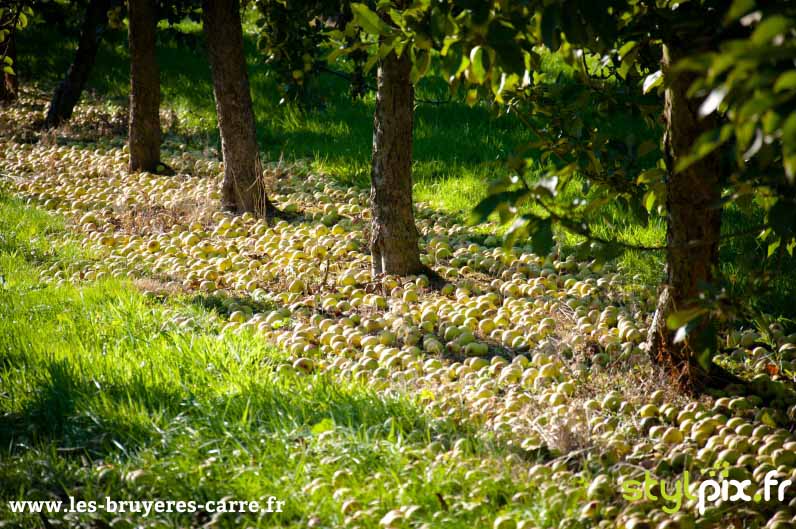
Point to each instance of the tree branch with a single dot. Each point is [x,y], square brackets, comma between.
[582,229]
[347,77]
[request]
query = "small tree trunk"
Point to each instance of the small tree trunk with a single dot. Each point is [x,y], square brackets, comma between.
[393,242]
[68,91]
[694,226]
[243,188]
[8,88]
[144,87]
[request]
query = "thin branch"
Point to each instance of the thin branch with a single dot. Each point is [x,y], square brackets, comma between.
[341,75]
[12,32]
[525,121]
[434,101]
[347,77]
[580,228]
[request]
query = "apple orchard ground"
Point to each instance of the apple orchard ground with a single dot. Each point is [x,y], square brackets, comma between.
[152,346]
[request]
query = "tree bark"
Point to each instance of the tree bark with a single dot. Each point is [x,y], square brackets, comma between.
[144,133]
[243,188]
[694,226]
[67,93]
[9,86]
[394,236]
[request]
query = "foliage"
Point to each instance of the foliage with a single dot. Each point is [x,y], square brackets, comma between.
[294,37]
[749,79]
[744,66]
[14,16]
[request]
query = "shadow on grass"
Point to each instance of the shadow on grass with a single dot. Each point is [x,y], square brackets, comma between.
[78,415]
[224,304]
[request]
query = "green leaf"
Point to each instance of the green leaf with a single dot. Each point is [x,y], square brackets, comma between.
[488,205]
[628,55]
[472,97]
[789,163]
[651,176]
[426,394]
[789,133]
[369,21]
[738,9]
[712,102]
[675,320]
[768,420]
[517,230]
[770,28]
[626,48]
[771,122]
[649,200]
[326,425]
[786,81]
[705,144]
[477,66]
[335,53]
[773,247]
[652,80]
[371,62]
[704,343]
[756,106]
[507,84]
[603,252]
[420,66]
[789,147]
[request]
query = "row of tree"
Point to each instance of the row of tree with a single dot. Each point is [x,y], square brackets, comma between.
[726,94]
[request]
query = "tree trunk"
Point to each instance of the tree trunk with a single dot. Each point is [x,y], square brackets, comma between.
[693,231]
[393,242]
[68,91]
[144,134]
[243,188]
[8,88]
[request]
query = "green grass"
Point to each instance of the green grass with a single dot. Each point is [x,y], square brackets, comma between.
[101,394]
[458,150]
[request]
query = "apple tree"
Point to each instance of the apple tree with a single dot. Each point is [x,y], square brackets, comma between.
[243,187]
[401,63]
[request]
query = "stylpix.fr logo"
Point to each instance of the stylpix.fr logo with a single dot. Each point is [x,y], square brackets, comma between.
[709,491]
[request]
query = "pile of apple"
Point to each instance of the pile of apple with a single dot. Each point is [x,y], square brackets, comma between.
[541,351]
